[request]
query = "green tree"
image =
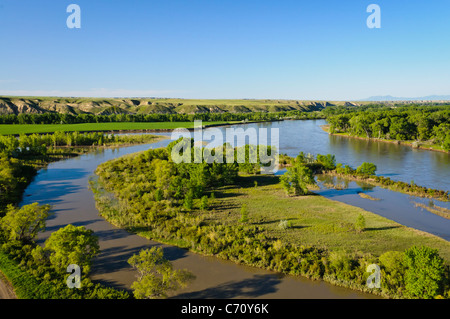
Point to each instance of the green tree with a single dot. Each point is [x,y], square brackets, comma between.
[346,170]
[401,129]
[285,224]
[393,270]
[424,276]
[23,224]
[361,124]
[442,135]
[72,245]
[163,171]
[328,161]
[296,179]
[155,275]
[367,169]
[380,128]
[339,123]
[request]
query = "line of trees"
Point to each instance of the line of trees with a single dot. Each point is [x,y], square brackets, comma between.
[40,144]
[402,124]
[60,118]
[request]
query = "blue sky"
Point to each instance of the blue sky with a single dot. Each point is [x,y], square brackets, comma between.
[225,49]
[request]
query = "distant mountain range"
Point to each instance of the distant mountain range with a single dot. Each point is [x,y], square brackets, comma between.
[394,98]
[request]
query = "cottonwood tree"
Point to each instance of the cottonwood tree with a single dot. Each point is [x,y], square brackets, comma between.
[72,245]
[424,276]
[155,275]
[23,224]
[296,179]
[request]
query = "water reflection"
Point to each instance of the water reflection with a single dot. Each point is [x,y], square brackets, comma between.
[399,207]
[426,168]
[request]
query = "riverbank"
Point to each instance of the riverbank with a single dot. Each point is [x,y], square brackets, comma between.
[412,144]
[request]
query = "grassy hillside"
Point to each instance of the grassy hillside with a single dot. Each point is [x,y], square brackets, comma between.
[39,105]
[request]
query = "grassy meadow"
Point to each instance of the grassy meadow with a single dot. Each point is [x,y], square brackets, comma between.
[315,220]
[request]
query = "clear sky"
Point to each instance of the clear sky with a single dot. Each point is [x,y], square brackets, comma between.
[225,49]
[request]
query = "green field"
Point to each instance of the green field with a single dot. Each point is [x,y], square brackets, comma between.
[16,129]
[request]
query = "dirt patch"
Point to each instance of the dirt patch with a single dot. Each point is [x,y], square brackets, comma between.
[6,290]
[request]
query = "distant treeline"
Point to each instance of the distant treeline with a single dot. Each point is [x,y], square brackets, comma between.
[374,107]
[40,144]
[407,123]
[59,118]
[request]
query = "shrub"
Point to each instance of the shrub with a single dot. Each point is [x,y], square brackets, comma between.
[244,214]
[392,260]
[204,203]
[284,224]
[360,223]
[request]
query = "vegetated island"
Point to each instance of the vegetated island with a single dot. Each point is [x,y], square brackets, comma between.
[270,222]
